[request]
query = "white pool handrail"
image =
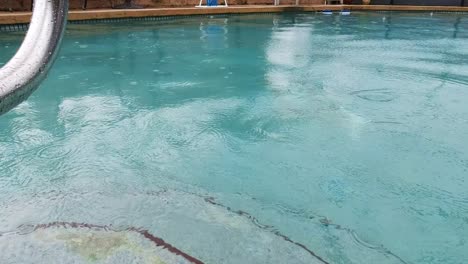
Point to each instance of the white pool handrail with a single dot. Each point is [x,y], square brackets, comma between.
[20,76]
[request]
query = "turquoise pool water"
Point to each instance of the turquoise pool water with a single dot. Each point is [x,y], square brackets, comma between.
[297,138]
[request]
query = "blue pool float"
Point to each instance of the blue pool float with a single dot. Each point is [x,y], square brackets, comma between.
[327,12]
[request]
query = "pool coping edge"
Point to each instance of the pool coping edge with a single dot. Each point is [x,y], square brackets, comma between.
[17,18]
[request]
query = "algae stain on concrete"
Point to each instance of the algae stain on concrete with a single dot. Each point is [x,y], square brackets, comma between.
[97,246]
[94,246]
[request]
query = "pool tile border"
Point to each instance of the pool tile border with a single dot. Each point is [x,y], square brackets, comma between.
[25,26]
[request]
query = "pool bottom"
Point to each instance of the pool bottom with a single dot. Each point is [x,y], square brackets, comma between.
[84,243]
[206,232]
[172,227]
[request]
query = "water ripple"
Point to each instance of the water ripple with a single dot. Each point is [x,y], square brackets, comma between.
[376,95]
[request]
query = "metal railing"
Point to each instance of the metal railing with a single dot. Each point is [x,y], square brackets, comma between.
[20,76]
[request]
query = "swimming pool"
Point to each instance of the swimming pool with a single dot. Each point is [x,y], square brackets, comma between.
[274,138]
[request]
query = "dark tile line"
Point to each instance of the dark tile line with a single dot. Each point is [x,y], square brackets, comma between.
[255,221]
[323,220]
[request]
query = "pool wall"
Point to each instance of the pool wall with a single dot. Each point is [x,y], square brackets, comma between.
[18,21]
[18,18]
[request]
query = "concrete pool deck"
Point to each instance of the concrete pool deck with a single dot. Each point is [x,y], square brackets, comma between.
[11,18]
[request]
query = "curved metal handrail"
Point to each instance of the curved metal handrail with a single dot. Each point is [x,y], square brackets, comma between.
[29,66]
